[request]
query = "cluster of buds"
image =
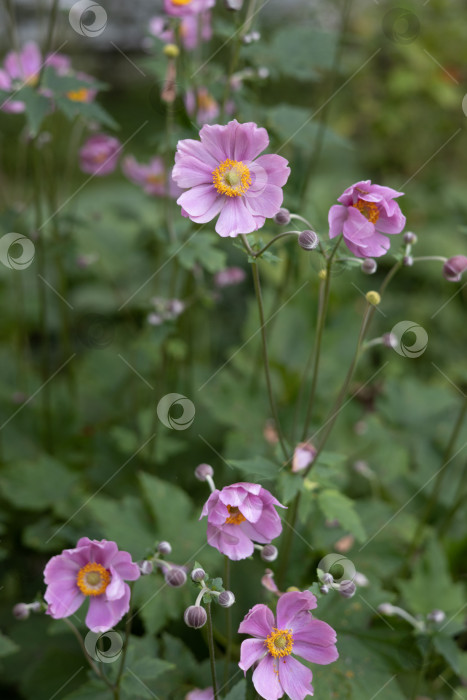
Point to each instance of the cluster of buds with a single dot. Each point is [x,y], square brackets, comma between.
[174,574]
[420,625]
[345,587]
[22,610]
[210,590]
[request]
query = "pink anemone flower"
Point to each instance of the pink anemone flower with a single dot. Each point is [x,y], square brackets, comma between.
[94,570]
[151,177]
[276,642]
[366,212]
[182,8]
[224,176]
[99,155]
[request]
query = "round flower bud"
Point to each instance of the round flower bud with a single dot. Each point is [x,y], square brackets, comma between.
[269,553]
[293,589]
[164,548]
[410,238]
[175,577]
[386,609]
[263,72]
[226,599]
[408,260]
[327,579]
[324,589]
[347,588]
[202,471]
[198,574]
[282,217]
[308,240]
[21,611]
[454,267]
[171,51]
[390,340]
[373,298]
[361,579]
[436,616]
[146,567]
[369,266]
[322,274]
[195,616]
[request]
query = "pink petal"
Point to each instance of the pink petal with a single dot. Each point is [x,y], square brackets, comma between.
[276,168]
[62,568]
[234,218]
[104,614]
[64,599]
[265,680]
[316,643]
[295,678]
[393,224]
[190,172]
[231,541]
[372,247]
[103,552]
[125,567]
[258,622]
[216,140]
[356,227]
[189,148]
[337,217]
[198,200]
[291,604]
[266,529]
[210,503]
[249,140]
[251,508]
[116,588]
[251,651]
[266,202]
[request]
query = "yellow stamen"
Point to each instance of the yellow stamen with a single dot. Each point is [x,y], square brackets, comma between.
[93,579]
[152,179]
[369,210]
[181,2]
[232,178]
[279,642]
[80,95]
[235,517]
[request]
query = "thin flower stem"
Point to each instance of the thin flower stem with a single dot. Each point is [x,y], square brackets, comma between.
[259,298]
[212,658]
[126,643]
[228,621]
[94,667]
[430,258]
[274,240]
[311,227]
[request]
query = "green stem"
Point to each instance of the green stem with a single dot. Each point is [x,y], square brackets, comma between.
[228,620]
[126,643]
[212,658]
[94,667]
[274,240]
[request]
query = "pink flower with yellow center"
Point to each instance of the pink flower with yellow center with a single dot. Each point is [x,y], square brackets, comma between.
[99,155]
[181,8]
[188,30]
[96,570]
[151,177]
[224,177]
[277,641]
[366,213]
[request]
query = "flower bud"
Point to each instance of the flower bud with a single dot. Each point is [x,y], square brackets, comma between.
[303,456]
[454,267]
[308,240]
[21,611]
[369,266]
[390,340]
[324,590]
[263,72]
[327,579]
[202,471]
[226,599]
[361,579]
[146,567]
[322,274]
[436,616]
[408,260]
[386,609]
[198,574]
[195,616]
[175,577]
[347,588]
[282,217]
[164,548]
[410,238]
[171,51]
[269,553]
[373,298]
[233,5]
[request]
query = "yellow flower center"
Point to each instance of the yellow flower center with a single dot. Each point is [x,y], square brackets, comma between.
[152,179]
[181,2]
[232,178]
[279,642]
[81,95]
[235,517]
[93,579]
[369,210]
[205,100]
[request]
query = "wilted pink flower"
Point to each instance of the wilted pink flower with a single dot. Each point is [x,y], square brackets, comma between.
[294,631]
[182,8]
[303,456]
[188,30]
[240,515]
[94,570]
[99,155]
[223,175]
[229,277]
[206,694]
[454,267]
[151,177]
[365,213]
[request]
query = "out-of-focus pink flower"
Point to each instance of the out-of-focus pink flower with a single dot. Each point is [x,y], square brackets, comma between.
[182,8]
[303,456]
[240,515]
[196,694]
[366,212]
[60,62]
[201,105]
[99,155]
[188,30]
[267,581]
[274,640]
[223,176]
[454,267]
[151,177]
[19,69]
[229,277]
[94,570]
[165,310]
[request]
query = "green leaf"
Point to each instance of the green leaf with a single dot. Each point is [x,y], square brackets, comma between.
[36,485]
[337,506]
[449,650]
[37,107]
[258,466]
[125,522]
[238,692]
[139,676]
[90,111]
[149,668]
[201,248]
[93,690]
[7,646]
[65,83]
